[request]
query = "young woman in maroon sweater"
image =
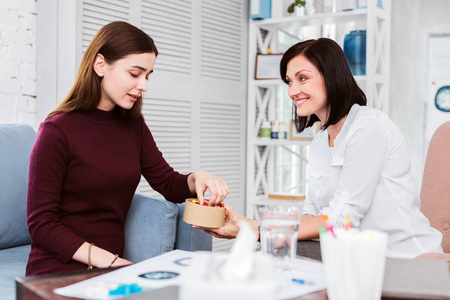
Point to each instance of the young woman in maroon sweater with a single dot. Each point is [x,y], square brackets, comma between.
[89,156]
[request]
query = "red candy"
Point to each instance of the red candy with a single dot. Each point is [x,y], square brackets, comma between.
[205,203]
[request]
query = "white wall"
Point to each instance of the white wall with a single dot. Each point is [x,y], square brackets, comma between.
[412,22]
[18,62]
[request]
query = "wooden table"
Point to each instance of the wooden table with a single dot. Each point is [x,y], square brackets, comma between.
[41,287]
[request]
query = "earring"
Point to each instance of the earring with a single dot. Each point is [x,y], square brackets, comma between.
[100,74]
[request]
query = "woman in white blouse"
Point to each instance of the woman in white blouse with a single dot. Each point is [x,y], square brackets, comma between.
[358,163]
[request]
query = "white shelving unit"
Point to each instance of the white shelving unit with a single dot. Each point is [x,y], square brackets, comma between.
[262,94]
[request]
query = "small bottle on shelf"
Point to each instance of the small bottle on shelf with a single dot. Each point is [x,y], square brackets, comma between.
[274,134]
[282,133]
[265,131]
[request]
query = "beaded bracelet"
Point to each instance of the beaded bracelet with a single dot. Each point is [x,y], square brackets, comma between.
[89,256]
[114,260]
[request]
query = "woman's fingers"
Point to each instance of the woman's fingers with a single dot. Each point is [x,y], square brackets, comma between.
[219,191]
[217,187]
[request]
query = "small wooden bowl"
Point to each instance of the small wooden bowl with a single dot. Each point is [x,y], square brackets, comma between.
[203,216]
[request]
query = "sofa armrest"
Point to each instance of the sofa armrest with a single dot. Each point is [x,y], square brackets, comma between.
[150,228]
[191,239]
[16,141]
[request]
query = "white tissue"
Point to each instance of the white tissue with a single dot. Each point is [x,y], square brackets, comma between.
[239,263]
[238,275]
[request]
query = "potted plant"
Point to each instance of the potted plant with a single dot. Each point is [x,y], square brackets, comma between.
[296,3]
[302,7]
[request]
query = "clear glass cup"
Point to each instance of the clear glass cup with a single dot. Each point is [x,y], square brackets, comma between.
[279,232]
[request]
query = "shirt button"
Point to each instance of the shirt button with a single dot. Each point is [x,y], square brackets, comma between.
[446,226]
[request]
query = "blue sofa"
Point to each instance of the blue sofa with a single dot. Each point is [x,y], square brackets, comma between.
[154,226]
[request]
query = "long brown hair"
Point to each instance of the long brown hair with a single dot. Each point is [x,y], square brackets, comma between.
[114,41]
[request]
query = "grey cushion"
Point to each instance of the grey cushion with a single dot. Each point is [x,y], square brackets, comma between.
[16,141]
[150,228]
[191,239]
[13,262]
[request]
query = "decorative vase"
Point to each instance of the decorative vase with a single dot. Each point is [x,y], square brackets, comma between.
[299,11]
[355,51]
[309,7]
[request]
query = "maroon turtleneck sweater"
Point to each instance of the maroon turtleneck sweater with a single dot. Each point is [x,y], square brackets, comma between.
[84,170]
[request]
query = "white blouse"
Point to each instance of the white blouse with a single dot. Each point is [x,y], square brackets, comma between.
[367,176]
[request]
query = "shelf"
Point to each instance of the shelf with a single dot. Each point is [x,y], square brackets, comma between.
[317,19]
[273,142]
[268,202]
[277,202]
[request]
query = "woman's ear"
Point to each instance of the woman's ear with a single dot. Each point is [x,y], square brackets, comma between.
[99,65]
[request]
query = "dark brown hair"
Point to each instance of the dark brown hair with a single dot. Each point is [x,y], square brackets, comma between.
[114,41]
[341,88]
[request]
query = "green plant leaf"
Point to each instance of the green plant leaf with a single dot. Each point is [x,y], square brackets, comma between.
[290,8]
[298,3]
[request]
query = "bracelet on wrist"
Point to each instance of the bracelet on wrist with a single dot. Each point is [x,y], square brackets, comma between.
[89,256]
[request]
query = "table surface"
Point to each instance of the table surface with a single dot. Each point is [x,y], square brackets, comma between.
[41,287]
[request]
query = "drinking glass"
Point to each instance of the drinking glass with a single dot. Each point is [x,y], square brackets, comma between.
[279,232]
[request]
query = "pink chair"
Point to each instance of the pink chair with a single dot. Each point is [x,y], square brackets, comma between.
[435,193]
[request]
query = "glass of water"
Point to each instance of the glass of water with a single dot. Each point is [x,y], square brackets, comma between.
[279,232]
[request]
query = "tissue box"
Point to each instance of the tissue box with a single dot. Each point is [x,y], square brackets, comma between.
[203,281]
[203,216]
